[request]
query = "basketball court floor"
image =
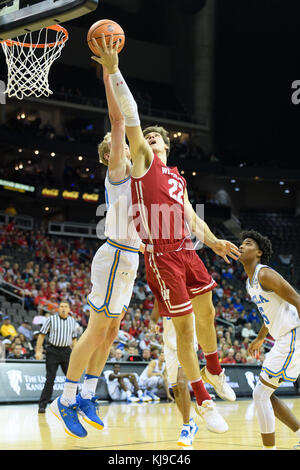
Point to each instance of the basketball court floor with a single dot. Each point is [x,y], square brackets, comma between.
[140,427]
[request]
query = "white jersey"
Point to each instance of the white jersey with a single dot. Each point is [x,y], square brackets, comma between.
[112,385]
[144,374]
[279,316]
[169,333]
[119,225]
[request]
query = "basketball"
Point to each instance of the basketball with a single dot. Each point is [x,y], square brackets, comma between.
[108,27]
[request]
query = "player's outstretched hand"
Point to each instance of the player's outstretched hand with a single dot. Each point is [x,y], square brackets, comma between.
[108,54]
[224,248]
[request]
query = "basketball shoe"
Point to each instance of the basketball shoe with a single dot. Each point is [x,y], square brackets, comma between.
[193,427]
[69,418]
[87,408]
[146,396]
[211,417]
[143,398]
[153,396]
[219,383]
[132,399]
[185,438]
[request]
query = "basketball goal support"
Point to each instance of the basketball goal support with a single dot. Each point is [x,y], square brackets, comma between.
[16,21]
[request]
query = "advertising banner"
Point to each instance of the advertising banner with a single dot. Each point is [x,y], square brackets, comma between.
[23,381]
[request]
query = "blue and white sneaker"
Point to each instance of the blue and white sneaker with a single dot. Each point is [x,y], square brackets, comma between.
[153,396]
[146,396]
[132,399]
[185,439]
[88,411]
[193,428]
[69,418]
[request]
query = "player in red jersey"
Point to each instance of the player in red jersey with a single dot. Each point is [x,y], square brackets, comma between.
[175,274]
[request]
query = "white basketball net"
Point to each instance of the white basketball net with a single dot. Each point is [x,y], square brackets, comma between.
[29,63]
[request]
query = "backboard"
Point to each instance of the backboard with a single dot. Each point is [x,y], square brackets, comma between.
[18,17]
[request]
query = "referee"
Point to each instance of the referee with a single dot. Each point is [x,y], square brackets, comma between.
[62,337]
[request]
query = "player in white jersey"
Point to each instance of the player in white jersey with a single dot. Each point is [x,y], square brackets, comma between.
[123,386]
[154,377]
[279,306]
[113,272]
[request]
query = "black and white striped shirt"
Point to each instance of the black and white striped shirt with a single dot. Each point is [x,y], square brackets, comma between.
[61,331]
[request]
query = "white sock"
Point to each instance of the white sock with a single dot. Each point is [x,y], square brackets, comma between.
[89,386]
[139,393]
[69,393]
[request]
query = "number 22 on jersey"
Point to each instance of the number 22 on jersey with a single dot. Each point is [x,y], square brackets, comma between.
[176,190]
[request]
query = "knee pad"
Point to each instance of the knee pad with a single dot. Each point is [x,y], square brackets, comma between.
[264,408]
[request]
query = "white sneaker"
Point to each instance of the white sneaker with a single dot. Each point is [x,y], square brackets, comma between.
[219,383]
[153,396]
[209,414]
[185,439]
[132,399]
[144,399]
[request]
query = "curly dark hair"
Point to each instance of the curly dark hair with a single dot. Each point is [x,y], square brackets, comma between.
[264,244]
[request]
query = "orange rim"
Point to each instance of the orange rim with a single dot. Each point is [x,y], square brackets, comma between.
[55,27]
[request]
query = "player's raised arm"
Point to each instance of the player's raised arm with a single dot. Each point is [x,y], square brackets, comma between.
[117,158]
[200,228]
[270,280]
[141,153]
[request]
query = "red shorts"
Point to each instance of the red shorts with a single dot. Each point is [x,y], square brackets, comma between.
[175,278]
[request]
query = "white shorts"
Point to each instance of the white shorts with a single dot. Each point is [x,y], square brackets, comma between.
[113,273]
[118,394]
[282,363]
[172,364]
[151,383]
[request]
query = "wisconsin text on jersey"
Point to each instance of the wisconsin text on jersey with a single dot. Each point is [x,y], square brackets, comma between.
[167,171]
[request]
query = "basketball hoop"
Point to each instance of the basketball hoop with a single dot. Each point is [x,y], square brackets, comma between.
[29,61]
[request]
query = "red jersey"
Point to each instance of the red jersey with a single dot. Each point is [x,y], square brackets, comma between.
[158,207]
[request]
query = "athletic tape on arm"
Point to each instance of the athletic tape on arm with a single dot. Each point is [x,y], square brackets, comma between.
[125,100]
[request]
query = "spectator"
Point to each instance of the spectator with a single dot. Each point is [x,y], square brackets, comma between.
[242,320]
[146,355]
[229,358]
[238,306]
[27,345]
[248,332]
[255,320]
[148,303]
[16,352]
[219,291]
[26,330]
[7,329]
[140,294]
[118,356]
[239,358]
[39,319]
[131,350]
[145,343]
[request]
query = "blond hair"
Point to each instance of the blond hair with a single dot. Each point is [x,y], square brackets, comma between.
[160,130]
[103,148]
